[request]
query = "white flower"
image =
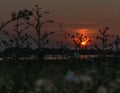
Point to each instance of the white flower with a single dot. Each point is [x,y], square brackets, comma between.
[102,89]
[69,76]
[39,82]
[77,78]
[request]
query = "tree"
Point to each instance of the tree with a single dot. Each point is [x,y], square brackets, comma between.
[23,14]
[42,37]
[103,38]
[18,36]
[78,40]
[63,38]
[17,39]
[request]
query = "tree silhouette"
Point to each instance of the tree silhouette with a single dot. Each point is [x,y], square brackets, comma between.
[103,38]
[78,39]
[42,37]
[17,39]
[61,42]
[23,14]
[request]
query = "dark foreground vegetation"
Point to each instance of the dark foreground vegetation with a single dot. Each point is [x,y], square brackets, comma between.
[71,76]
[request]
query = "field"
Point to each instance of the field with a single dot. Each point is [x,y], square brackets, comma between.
[60,76]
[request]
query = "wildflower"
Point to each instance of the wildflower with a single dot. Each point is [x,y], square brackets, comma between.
[72,77]
[69,76]
[39,82]
[77,78]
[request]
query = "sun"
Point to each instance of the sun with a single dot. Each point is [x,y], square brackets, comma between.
[84,43]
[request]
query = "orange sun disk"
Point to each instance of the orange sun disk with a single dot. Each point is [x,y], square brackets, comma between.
[83,43]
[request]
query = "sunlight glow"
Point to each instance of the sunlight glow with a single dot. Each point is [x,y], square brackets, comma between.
[84,43]
[87,33]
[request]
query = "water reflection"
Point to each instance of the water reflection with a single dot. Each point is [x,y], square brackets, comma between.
[65,57]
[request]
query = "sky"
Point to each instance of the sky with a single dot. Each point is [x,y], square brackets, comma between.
[82,16]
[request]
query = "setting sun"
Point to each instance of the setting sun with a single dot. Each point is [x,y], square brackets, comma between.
[83,43]
[84,35]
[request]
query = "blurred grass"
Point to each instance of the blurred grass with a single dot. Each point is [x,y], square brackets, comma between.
[22,75]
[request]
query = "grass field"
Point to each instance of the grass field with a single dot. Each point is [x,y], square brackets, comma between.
[72,76]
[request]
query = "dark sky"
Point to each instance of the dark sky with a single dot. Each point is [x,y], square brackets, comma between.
[75,13]
[85,16]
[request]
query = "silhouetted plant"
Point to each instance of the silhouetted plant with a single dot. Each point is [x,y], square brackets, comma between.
[18,36]
[20,39]
[117,43]
[17,39]
[42,37]
[103,38]
[78,39]
[61,43]
[24,14]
